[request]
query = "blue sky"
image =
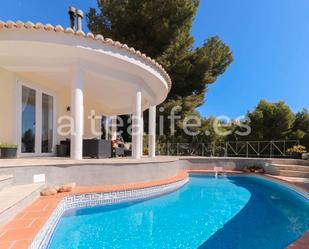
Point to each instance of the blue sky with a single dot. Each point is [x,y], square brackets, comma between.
[270,43]
[269,40]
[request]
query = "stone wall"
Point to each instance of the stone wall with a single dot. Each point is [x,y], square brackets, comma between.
[87,175]
[121,173]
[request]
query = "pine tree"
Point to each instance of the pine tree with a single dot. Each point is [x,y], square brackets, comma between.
[161,29]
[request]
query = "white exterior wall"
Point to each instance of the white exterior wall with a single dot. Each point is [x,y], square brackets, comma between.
[7,107]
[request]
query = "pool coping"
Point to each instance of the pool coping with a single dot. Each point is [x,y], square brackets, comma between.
[42,239]
[21,232]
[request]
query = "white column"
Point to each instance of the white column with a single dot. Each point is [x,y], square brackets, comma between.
[114,127]
[152,131]
[136,125]
[77,110]
[106,127]
[142,133]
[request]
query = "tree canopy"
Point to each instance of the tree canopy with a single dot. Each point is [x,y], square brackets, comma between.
[271,121]
[276,121]
[151,26]
[301,128]
[161,29]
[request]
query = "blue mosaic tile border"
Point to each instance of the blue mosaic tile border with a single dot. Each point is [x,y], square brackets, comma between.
[42,239]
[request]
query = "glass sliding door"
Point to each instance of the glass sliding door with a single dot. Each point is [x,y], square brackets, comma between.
[47,123]
[37,120]
[28,122]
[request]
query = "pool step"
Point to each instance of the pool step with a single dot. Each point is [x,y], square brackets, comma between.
[290,162]
[15,198]
[291,167]
[5,181]
[288,170]
[295,179]
[291,173]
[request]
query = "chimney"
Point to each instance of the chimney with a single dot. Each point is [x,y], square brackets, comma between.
[79,17]
[71,12]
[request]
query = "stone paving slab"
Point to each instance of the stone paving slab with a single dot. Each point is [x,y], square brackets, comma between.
[45,161]
[11,195]
[5,177]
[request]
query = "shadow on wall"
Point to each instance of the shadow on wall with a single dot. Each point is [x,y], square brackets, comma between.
[257,226]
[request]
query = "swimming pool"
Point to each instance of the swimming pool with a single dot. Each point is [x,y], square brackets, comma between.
[234,212]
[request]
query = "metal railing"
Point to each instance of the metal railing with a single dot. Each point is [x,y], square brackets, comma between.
[272,149]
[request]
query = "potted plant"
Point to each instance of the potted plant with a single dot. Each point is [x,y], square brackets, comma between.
[296,151]
[8,150]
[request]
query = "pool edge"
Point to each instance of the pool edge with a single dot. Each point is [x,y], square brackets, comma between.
[24,237]
[40,212]
[42,239]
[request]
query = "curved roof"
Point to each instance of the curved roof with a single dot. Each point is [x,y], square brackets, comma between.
[50,55]
[95,38]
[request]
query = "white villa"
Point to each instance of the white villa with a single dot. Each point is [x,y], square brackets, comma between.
[50,72]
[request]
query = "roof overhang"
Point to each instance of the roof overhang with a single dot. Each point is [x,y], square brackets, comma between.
[113,71]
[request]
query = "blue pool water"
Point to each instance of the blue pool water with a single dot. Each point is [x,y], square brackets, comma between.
[235,212]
